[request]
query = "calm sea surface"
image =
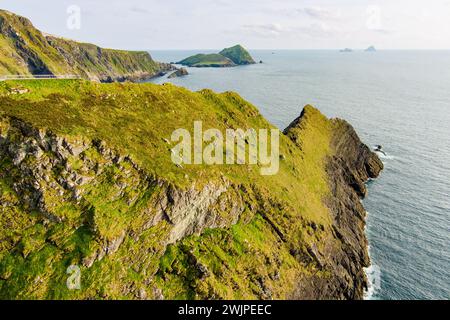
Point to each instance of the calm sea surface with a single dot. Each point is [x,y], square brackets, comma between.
[399,99]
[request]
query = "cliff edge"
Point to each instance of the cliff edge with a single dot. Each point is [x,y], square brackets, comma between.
[344,253]
[25,50]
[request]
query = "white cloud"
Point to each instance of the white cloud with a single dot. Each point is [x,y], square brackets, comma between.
[193,24]
[264,30]
[317,30]
[320,13]
[137,9]
[383,31]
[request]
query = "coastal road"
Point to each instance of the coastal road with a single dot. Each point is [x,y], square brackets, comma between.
[39,77]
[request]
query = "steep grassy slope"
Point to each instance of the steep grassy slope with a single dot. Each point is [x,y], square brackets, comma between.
[86,179]
[28,47]
[25,50]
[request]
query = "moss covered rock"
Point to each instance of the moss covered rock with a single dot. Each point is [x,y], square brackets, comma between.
[25,50]
[86,180]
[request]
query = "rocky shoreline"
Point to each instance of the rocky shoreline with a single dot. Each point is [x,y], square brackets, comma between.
[35,53]
[345,254]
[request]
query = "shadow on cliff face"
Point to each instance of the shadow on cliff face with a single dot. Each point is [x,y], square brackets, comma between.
[346,250]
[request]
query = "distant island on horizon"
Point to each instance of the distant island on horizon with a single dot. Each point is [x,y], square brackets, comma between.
[348,50]
[228,57]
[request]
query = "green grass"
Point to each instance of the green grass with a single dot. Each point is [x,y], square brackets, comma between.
[32,40]
[9,60]
[25,50]
[88,63]
[236,259]
[137,120]
[207,60]
[228,57]
[238,55]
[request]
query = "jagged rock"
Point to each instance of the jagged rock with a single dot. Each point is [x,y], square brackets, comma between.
[190,211]
[179,73]
[18,91]
[157,294]
[142,294]
[56,55]
[91,202]
[352,164]
[203,270]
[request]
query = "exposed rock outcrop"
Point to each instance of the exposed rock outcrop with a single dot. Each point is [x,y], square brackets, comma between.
[345,253]
[179,73]
[26,50]
[45,166]
[70,194]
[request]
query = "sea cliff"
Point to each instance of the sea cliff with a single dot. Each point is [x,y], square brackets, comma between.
[344,252]
[86,180]
[25,50]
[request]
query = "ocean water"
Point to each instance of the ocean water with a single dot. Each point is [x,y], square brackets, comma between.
[399,99]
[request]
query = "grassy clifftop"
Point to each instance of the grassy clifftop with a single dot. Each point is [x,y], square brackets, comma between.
[138,119]
[238,54]
[86,179]
[25,50]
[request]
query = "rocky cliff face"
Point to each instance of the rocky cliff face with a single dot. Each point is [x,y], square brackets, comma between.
[49,174]
[73,194]
[26,50]
[179,73]
[44,166]
[107,65]
[344,254]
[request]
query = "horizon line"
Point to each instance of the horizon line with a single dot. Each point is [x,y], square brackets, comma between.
[309,49]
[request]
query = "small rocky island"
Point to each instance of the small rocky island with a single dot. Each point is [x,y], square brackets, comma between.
[371,49]
[179,73]
[228,57]
[346,50]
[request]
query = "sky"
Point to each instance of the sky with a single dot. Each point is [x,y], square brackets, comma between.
[256,24]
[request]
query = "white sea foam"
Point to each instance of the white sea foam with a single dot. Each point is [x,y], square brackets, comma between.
[369,293]
[373,274]
[383,156]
